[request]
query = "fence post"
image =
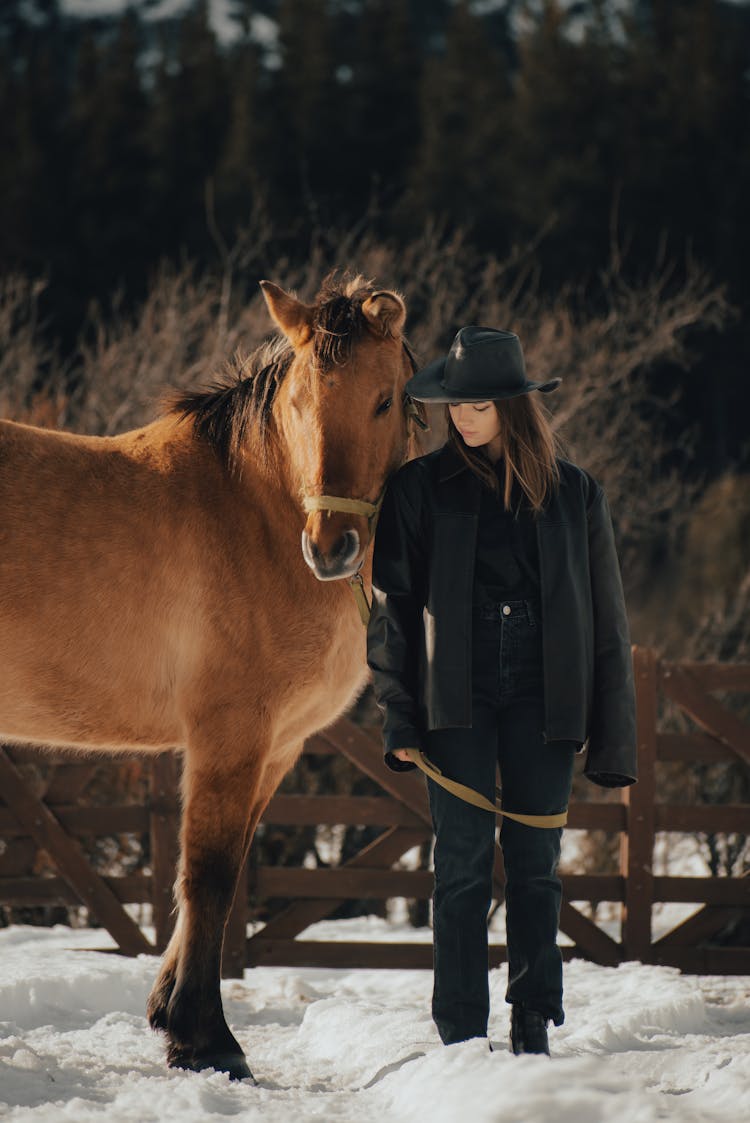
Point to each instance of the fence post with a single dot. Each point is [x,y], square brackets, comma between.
[164,828]
[637,841]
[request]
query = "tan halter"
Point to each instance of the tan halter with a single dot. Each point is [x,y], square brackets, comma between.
[351,506]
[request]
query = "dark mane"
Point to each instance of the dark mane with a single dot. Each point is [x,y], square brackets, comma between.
[241,398]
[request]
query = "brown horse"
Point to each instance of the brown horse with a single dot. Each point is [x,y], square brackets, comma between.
[153,594]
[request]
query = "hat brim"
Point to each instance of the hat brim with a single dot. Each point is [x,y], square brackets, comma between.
[427,386]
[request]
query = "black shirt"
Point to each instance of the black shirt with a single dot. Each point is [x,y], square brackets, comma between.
[507,558]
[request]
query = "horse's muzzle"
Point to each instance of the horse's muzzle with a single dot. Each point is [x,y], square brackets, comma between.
[340,561]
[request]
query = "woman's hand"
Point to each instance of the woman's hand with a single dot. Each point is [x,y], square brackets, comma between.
[398,760]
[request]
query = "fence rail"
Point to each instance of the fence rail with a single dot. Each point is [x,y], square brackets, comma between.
[48,820]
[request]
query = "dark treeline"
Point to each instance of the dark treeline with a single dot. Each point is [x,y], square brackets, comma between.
[635,133]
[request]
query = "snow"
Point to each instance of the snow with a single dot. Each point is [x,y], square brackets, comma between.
[639,1044]
[222,16]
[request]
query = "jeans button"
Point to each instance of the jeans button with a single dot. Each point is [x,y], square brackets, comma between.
[506,610]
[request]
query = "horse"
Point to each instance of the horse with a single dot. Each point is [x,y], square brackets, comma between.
[184,585]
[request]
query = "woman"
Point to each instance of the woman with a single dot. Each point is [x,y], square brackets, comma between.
[499,636]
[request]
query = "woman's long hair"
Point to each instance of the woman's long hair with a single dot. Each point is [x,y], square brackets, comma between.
[530,448]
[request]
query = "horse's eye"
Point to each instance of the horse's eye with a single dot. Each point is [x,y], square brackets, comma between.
[384,406]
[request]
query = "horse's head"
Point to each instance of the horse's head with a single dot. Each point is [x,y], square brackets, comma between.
[341,413]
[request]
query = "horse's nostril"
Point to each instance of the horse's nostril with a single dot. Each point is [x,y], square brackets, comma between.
[341,546]
[347,546]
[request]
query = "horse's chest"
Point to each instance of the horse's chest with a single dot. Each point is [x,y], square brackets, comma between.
[341,657]
[327,670]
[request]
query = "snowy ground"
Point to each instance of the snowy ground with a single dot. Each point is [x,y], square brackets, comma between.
[639,1044]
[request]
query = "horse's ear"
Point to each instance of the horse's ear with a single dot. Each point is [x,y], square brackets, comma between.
[385,312]
[293,317]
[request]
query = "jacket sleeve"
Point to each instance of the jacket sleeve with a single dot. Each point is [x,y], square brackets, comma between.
[611,760]
[394,630]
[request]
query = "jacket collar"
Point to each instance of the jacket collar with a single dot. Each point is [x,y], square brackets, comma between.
[450,463]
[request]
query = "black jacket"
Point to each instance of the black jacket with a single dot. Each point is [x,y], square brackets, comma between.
[419,636]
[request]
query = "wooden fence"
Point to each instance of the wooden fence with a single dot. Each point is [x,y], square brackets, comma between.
[46,820]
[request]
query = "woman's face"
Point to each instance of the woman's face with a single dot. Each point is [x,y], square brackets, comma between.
[477,422]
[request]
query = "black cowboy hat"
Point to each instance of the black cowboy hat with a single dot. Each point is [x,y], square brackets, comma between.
[483,364]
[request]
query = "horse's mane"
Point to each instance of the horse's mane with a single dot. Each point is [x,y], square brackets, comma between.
[241,397]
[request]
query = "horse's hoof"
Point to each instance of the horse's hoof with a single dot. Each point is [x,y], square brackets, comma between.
[234,1064]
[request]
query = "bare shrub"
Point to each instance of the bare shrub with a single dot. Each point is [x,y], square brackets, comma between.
[126,362]
[31,374]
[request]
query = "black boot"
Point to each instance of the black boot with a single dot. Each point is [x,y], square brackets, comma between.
[528,1031]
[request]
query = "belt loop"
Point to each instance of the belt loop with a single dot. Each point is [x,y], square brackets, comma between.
[531,615]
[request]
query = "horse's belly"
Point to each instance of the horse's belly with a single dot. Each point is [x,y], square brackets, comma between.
[87,668]
[85,697]
[32,717]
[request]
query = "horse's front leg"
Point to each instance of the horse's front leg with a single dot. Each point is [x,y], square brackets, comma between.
[220,797]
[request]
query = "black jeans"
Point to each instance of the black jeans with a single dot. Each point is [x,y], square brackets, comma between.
[536,777]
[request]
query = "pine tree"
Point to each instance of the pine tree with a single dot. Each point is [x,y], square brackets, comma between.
[461,169]
[240,173]
[384,102]
[34,177]
[110,172]
[188,131]
[566,140]
[307,111]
